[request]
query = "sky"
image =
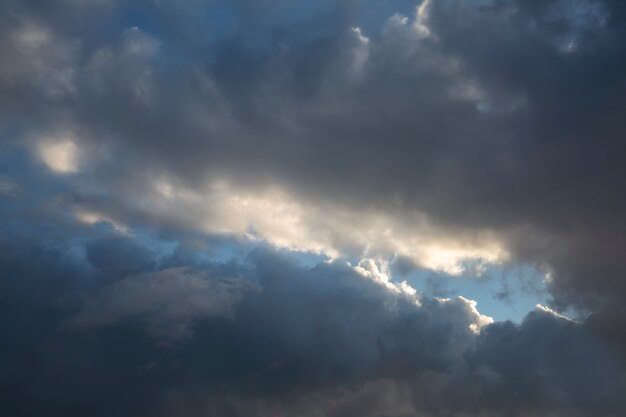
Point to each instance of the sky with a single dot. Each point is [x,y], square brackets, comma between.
[283,208]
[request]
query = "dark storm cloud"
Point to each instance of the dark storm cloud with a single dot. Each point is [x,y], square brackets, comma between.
[505,116]
[267,336]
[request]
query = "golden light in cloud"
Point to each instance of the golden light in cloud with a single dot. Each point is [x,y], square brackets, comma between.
[59,155]
[287,222]
[452,257]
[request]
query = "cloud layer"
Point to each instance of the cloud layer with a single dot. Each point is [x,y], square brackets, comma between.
[215,208]
[266,336]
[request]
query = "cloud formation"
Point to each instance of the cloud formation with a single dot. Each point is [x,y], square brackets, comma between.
[204,205]
[265,335]
[168,300]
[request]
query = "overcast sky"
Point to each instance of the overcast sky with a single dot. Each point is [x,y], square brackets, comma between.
[277,208]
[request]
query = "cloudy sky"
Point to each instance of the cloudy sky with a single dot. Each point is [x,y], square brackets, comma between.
[277,208]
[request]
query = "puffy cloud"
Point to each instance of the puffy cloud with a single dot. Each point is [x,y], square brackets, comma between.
[266,335]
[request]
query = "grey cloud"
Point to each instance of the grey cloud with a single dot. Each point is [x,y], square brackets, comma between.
[531,364]
[168,301]
[280,107]
[116,255]
[320,340]
[507,118]
[8,187]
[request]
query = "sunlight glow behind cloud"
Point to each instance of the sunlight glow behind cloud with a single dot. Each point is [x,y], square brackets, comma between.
[59,155]
[273,215]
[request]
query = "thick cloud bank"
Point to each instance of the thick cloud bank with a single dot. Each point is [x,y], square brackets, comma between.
[216,208]
[268,336]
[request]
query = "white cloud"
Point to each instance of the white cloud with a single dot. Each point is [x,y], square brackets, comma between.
[480,320]
[548,310]
[421,19]
[60,155]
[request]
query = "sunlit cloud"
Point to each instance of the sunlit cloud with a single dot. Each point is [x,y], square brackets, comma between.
[421,19]
[92,218]
[360,52]
[60,155]
[272,214]
[552,312]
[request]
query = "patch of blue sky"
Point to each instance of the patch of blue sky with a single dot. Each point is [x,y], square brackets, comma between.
[502,292]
